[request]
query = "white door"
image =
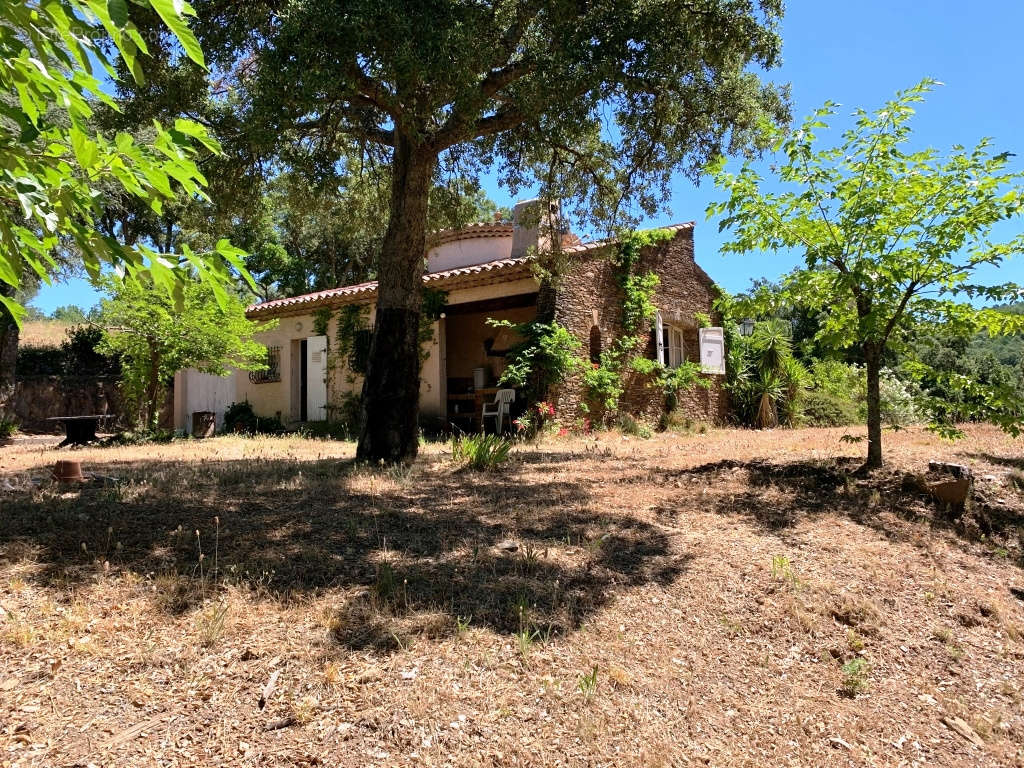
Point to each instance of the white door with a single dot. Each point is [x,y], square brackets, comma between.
[316,378]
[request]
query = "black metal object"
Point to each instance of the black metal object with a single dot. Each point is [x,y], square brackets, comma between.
[79,430]
[273,372]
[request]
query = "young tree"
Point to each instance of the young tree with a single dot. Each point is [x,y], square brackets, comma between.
[599,102]
[154,339]
[891,238]
[55,163]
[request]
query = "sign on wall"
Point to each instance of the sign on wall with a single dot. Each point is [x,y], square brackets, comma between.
[712,350]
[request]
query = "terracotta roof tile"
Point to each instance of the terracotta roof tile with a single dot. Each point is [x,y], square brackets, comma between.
[497,266]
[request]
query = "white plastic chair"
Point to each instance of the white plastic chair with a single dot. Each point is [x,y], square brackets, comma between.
[499,409]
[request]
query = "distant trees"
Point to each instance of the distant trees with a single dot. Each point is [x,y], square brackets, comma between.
[892,239]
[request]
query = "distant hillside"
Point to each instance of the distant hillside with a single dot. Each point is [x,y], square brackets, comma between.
[1008,350]
[43,333]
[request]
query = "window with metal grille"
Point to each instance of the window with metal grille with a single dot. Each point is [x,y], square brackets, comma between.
[272,372]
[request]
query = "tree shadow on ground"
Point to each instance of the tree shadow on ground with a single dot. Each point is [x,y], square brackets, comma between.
[406,551]
[777,496]
[1016,462]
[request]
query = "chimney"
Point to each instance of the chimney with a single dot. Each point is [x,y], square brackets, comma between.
[534,224]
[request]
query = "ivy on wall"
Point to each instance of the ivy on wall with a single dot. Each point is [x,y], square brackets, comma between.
[434,304]
[606,380]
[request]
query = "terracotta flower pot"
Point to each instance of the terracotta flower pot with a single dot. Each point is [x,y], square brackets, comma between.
[68,471]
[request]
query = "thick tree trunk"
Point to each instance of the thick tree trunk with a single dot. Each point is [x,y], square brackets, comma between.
[391,389]
[873,365]
[8,356]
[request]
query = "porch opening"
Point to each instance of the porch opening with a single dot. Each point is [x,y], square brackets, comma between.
[475,354]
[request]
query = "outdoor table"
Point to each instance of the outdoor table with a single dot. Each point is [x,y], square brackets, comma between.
[79,430]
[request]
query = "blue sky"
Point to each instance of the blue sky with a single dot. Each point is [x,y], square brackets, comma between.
[857,54]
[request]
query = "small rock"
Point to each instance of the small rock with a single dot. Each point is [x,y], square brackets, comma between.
[243,747]
[506,546]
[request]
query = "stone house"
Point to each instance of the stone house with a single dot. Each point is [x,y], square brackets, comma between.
[486,272]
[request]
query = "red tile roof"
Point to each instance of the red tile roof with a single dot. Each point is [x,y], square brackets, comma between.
[490,268]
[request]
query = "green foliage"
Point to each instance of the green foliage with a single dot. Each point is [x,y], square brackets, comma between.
[637,305]
[345,419]
[322,322]
[154,340]
[629,425]
[604,383]
[855,676]
[631,244]
[765,379]
[546,357]
[605,380]
[82,355]
[78,355]
[481,452]
[60,169]
[891,238]
[40,361]
[352,339]
[8,428]
[825,409]
[240,418]
[71,313]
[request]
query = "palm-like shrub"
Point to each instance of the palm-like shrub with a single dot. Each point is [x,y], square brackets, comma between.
[767,380]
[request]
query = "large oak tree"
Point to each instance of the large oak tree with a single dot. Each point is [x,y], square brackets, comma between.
[598,102]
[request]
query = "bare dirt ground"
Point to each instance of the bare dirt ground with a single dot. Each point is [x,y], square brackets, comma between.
[685,600]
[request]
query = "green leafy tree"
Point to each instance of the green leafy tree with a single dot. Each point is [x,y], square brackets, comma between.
[892,238]
[55,163]
[598,103]
[154,338]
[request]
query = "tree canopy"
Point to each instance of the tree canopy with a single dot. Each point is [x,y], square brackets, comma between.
[892,238]
[154,339]
[597,104]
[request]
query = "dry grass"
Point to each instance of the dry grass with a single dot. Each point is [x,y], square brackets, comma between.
[43,333]
[729,598]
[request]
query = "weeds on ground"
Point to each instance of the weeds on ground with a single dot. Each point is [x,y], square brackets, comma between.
[587,684]
[210,624]
[782,570]
[481,452]
[628,425]
[8,428]
[855,677]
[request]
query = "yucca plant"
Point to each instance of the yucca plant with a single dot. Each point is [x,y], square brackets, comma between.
[767,380]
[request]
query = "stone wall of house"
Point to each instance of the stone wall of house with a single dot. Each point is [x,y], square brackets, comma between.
[588,286]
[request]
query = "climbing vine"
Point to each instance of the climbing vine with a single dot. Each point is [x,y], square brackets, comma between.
[434,304]
[606,380]
[548,354]
[352,337]
[322,322]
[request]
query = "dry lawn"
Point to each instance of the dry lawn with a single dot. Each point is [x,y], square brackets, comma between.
[685,600]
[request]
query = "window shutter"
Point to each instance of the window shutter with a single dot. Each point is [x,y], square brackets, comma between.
[712,350]
[659,339]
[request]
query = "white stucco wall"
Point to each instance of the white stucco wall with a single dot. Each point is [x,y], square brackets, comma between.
[464,253]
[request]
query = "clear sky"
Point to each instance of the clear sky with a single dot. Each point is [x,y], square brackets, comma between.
[858,54]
